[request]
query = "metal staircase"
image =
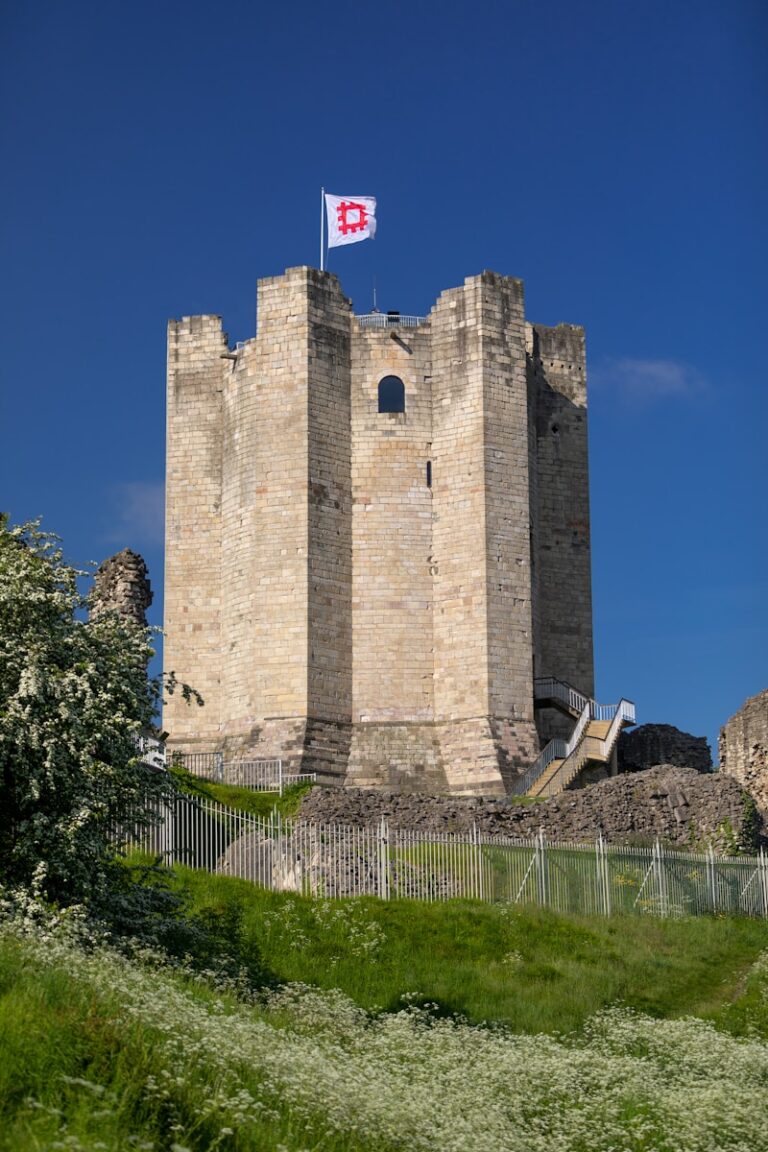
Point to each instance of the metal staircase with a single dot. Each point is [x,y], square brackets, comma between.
[591,742]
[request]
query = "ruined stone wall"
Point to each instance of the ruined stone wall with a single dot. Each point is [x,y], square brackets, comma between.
[121,585]
[653,744]
[193,639]
[676,805]
[744,748]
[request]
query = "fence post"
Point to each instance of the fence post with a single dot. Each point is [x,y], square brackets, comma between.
[541,868]
[169,821]
[280,864]
[478,869]
[219,766]
[660,877]
[762,864]
[712,877]
[383,876]
[602,876]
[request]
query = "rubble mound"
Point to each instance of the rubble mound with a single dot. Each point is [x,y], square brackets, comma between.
[679,806]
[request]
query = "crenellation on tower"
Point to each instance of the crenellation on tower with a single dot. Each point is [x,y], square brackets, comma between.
[367,576]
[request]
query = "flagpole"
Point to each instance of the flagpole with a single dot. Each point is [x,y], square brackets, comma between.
[322,229]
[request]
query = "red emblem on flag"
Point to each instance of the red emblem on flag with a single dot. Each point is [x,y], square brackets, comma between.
[352,217]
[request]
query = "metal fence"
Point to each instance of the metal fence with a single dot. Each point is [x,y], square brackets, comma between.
[333,860]
[260,775]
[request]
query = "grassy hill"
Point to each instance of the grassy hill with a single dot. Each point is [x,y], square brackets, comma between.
[530,969]
[580,1034]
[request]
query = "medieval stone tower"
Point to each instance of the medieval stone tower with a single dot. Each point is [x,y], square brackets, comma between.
[377,534]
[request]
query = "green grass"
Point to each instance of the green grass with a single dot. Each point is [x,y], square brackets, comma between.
[97,1053]
[533,970]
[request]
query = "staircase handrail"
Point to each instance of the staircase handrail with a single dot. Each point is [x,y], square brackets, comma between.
[623,712]
[549,686]
[581,725]
[553,750]
[556,749]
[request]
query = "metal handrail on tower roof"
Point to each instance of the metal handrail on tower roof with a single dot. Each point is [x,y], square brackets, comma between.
[390,320]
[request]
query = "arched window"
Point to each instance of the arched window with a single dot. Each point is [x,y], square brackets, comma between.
[391,394]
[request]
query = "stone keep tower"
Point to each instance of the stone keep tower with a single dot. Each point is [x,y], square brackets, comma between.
[370,593]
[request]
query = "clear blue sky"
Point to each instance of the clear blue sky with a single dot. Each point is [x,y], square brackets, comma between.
[159,158]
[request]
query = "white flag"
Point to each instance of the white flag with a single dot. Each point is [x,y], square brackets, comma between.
[350,218]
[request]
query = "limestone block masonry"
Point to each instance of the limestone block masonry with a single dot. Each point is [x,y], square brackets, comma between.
[653,744]
[369,594]
[121,584]
[744,748]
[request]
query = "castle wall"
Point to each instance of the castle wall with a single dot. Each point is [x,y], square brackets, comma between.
[481,543]
[392,530]
[458,545]
[192,647]
[329,597]
[392,640]
[265,537]
[560,512]
[507,521]
[286,557]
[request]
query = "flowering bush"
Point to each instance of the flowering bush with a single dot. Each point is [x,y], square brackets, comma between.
[74,699]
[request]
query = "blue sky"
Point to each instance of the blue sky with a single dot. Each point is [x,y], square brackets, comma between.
[159,158]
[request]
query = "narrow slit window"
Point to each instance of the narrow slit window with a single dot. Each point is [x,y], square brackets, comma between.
[429,473]
[391,394]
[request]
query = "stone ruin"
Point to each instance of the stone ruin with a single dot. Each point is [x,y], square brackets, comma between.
[744,748]
[653,744]
[680,806]
[121,584]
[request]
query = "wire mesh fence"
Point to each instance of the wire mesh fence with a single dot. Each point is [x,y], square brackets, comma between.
[334,860]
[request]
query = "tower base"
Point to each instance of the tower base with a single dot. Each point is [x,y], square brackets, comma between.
[475,757]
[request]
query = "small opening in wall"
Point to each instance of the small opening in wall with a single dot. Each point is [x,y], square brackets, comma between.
[555,429]
[429,473]
[391,394]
